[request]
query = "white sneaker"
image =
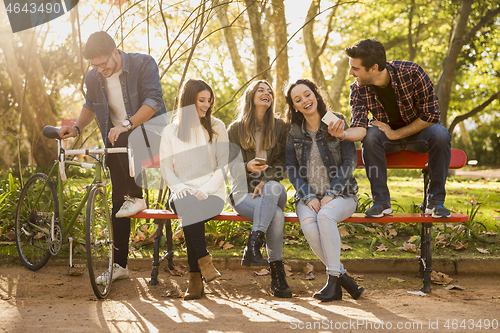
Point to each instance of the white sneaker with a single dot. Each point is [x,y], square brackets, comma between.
[131,206]
[118,273]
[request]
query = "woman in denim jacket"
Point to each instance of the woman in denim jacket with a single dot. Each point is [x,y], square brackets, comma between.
[320,168]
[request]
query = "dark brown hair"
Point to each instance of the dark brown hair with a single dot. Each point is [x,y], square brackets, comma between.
[370,51]
[186,97]
[99,44]
[295,117]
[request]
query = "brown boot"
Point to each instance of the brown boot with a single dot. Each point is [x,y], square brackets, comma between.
[195,286]
[207,269]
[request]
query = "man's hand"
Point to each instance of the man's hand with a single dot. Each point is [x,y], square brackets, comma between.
[258,189]
[255,167]
[314,205]
[67,132]
[389,132]
[115,132]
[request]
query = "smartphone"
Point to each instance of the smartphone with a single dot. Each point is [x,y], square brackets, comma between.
[261,161]
[329,117]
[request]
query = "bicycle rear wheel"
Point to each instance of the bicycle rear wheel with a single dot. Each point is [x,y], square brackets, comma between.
[35,208]
[99,241]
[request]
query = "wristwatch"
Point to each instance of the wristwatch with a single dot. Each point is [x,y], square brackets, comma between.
[128,124]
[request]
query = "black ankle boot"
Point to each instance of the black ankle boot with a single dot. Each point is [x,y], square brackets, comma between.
[279,287]
[351,286]
[331,291]
[252,255]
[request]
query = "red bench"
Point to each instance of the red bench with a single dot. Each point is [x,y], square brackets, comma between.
[400,160]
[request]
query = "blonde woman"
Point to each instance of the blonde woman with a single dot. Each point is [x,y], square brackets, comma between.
[260,135]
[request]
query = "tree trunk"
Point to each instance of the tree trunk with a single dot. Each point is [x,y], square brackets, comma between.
[259,40]
[280,42]
[312,48]
[338,83]
[445,81]
[238,66]
[35,111]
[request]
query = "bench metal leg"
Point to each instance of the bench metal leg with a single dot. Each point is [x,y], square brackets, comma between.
[426,257]
[156,253]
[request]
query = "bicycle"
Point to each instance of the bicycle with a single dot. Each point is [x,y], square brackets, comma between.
[41,225]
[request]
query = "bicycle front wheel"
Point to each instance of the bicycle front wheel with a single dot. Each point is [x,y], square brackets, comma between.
[99,241]
[36,207]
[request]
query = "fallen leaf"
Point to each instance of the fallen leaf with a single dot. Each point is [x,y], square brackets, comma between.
[140,235]
[391,233]
[395,279]
[227,246]
[288,270]
[382,247]
[308,268]
[178,234]
[370,229]
[440,278]
[11,235]
[454,286]
[310,276]
[357,277]
[459,229]
[174,293]
[262,272]
[359,237]
[177,271]
[345,247]
[485,251]
[459,246]
[408,247]
[144,228]
[343,231]
[413,239]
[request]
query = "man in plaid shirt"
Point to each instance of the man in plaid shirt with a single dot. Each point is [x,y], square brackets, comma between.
[405,115]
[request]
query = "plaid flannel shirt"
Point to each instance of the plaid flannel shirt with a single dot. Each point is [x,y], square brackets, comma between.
[415,96]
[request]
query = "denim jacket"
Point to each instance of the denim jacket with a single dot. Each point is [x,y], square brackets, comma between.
[339,157]
[140,82]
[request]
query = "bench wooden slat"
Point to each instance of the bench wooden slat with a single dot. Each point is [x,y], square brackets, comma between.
[292,217]
[406,159]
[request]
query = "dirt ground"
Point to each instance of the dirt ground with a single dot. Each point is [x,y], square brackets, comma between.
[49,300]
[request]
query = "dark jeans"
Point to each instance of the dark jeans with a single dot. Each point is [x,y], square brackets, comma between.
[434,140]
[122,184]
[194,231]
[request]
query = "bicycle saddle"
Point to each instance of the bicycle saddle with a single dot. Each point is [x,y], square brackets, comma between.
[51,132]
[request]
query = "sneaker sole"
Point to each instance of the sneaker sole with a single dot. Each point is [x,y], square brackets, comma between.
[436,216]
[387,211]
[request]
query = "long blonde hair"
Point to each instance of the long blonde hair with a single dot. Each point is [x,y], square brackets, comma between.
[247,121]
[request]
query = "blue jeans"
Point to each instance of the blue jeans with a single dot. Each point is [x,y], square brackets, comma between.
[266,211]
[321,231]
[433,140]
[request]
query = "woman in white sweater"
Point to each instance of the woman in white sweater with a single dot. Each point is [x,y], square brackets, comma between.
[194,156]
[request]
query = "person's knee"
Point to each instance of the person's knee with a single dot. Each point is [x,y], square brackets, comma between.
[373,137]
[279,217]
[274,188]
[308,221]
[439,135]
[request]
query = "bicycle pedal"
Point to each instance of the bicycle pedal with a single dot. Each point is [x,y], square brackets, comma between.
[76,269]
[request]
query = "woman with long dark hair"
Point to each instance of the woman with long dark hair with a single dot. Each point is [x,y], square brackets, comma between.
[320,168]
[194,157]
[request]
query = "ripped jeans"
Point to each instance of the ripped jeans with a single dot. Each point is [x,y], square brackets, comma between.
[321,230]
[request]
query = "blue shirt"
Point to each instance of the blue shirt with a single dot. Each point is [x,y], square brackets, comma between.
[140,83]
[339,159]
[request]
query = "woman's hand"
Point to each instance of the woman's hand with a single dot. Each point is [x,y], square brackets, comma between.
[185,192]
[200,195]
[255,167]
[326,199]
[258,189]
[314,205]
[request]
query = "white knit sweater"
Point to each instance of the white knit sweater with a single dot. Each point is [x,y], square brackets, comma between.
[188,164]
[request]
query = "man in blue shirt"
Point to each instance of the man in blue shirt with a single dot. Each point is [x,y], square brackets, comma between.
[123,91]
